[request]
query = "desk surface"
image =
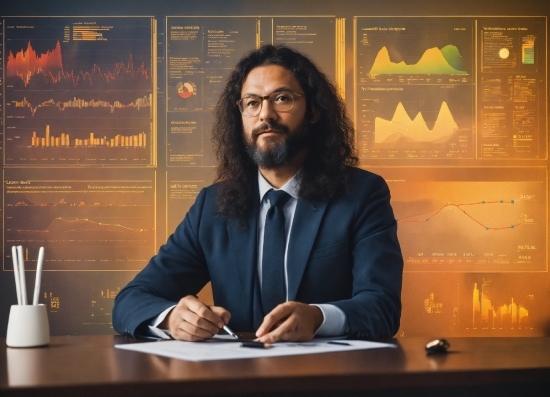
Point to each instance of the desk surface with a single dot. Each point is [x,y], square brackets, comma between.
[91,366]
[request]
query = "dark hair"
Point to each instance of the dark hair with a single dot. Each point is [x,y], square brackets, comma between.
[330,151]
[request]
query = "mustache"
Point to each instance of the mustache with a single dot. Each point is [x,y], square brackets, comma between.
[271,126]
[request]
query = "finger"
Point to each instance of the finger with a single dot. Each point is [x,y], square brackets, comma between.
[203,311]
[190,335]
[286,331]
[273,318]
[186,311]
[187,325]
[189,332]
[221,313]
[198,321]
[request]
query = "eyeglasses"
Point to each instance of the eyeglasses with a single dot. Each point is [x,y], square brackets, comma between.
[282,101]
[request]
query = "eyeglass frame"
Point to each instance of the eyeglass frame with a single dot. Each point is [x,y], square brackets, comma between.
[263,98]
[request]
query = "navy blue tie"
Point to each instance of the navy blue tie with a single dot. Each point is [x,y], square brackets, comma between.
[273,257]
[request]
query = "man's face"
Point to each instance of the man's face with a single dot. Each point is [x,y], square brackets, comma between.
[273,137]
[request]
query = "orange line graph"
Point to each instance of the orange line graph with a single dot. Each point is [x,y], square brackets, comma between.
[93,226]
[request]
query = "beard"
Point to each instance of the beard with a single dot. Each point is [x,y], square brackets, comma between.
[281,153]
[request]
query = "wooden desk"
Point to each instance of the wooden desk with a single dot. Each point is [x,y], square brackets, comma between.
[91,366]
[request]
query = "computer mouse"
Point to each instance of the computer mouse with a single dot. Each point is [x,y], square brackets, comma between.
[438,346]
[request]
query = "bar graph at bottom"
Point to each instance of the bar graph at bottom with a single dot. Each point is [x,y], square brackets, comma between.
[459,304]
[486,314]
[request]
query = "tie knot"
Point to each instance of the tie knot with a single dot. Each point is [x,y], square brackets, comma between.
[278,198]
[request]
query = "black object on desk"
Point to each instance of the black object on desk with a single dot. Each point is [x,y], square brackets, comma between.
[438,346]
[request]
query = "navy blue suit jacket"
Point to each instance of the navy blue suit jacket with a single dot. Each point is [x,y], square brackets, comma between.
[343,252]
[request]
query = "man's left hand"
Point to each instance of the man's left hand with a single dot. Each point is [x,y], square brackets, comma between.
[290,321]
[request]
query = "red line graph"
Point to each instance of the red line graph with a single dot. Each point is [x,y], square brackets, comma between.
[26,63]
[428,216]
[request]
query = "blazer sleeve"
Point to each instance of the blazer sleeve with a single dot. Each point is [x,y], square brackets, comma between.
[179,269]
[374,310]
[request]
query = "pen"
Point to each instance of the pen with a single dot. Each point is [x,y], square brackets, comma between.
[228,330]
[38,276]
[333,342]
[14,257]
[22,280]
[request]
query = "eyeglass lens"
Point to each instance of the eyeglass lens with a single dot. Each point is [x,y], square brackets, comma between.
[282,101]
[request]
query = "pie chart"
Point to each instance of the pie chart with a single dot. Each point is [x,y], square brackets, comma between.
[185,90]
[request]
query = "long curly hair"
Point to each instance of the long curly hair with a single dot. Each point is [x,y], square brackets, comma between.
[330,151]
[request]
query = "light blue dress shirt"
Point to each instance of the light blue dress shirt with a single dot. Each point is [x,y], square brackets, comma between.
[334,319]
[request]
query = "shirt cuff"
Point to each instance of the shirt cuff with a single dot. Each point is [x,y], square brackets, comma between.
[334,321]
[153,325]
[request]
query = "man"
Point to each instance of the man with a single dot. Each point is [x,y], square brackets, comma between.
[280,126]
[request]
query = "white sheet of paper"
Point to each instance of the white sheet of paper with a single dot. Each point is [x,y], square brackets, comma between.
[214,350]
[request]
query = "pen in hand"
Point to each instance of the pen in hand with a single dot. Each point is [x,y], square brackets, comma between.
[228,330]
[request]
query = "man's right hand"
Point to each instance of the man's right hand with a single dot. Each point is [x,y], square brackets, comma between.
[192,320]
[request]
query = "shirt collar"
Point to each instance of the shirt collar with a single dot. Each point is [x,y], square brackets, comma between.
[291,187]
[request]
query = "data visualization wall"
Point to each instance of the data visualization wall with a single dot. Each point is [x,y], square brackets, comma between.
[455,109]
[79,91]
[106,115]
[451,88]
[201,51]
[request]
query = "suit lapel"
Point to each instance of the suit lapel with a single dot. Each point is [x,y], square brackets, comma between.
[305,226]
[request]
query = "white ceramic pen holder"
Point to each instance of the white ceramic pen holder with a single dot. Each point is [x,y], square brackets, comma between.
[28,326]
